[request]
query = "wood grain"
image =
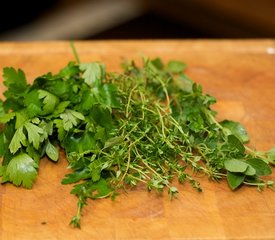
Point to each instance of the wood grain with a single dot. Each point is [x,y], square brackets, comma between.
[240,74]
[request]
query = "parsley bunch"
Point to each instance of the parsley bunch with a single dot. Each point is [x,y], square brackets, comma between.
[149,124]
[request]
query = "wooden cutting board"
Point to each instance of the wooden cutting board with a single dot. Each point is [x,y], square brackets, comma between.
[240,74]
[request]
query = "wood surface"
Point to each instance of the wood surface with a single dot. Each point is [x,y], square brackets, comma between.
[240,74]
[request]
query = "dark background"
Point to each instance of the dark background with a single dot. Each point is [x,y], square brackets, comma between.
[136,19]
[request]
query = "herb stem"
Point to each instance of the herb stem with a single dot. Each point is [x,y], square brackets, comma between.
[75,52]
[127,167]
[129,101]
[136,178]
[151,169]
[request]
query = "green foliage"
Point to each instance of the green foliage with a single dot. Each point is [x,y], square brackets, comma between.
[34,134]
[176,66]
[21,170]
[235,179]
[93,73]
[235,165]
[249,171]
[70,118]
[271,155]
[17,86]
[148,125]
[49,100]
[236,129]
[52,151]
[17,141]
[14,81]
[261,167]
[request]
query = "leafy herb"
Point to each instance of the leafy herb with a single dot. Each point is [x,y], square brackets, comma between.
[237,129]
[235,179]
[149,125]
[21,170]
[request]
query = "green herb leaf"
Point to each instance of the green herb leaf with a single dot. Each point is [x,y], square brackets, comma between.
[18,140]
[5,118]
[15,81]
[32,102]
[34,134]
[76,176]
[173,191]
[49,100]
[235,165]
[69,71]
[235,179]
[93,73]
[61,107]
[236,129]
[184,82]
[271,155]
[70,118]
[52,152]
[250,171]
[21,170]
[102,188]
[21,118]
[60,129]
[2,144]
[80,142]
[108,94]
[114,141]
[2,170]
[261,167]
[157,62]
[176,66]
[95,168]
[235,143]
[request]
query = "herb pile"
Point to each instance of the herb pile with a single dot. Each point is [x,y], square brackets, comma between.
[149,124]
